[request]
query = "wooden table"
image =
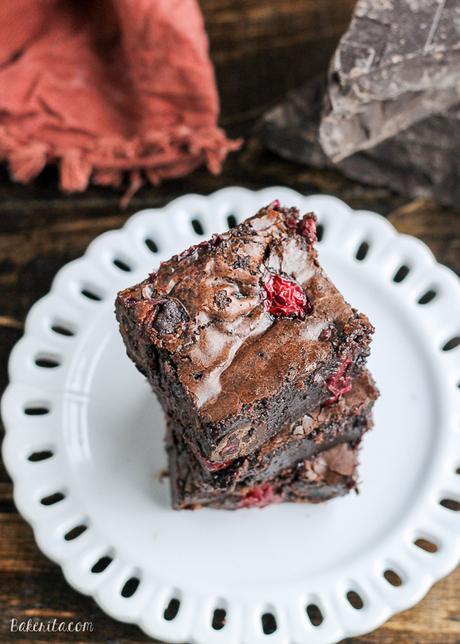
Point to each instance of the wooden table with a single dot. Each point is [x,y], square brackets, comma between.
[260,48]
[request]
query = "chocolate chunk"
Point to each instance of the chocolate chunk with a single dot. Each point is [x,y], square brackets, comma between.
[420,161]
[169,315]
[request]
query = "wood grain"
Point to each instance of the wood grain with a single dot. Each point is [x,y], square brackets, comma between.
[260,49]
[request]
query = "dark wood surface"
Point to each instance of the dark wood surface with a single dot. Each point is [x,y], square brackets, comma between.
[260,49]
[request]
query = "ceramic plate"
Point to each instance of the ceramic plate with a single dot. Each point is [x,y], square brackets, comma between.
[84,447]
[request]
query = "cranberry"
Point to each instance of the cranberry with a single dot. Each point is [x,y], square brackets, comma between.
[326,334]
[291,221]
[260,496]
[284,297]
[307,228]
[130,301]
[340,382]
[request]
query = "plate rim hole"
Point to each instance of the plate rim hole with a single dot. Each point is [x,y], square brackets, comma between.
[130,587]
[426,544]
[232,221]
[91,293]
[36,409]
[122,264]
[427,297]
[39,455]
[45,360]
[401,274]
[197,225]
[315,614]
[320,232]
[363,250]
[76,532]
[151,244]
[219,618]
[268,622]
[102,564]
[452,343]
[393,577]
[453,505]
[53,498]
[172,608]
[63,328]
[354,599]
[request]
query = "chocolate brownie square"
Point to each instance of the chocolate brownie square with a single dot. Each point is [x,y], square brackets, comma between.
[345,421]
[329,474]
[244,332]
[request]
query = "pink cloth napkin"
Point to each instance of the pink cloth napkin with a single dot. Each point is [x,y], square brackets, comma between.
[105,89]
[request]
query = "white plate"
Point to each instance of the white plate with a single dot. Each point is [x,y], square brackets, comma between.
[104,430]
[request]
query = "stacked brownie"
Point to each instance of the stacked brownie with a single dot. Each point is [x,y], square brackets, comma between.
[259,365]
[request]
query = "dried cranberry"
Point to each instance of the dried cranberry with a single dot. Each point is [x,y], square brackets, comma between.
[307,228]
[326,334]
[130,301]
[291,220]
[340,382]
[284,297]
[260,496]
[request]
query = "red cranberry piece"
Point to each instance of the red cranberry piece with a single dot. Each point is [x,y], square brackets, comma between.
[326,334]
[284,297]
[260,496]
[340,382]
[307,228]
[130,301]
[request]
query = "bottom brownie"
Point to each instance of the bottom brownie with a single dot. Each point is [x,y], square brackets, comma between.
[343,422]
[330,474]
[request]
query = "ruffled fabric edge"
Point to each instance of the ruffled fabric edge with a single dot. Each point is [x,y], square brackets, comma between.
[107,161]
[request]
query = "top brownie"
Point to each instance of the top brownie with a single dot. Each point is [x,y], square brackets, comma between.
[244,332]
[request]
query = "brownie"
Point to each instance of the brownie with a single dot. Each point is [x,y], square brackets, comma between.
[244,332]
[328,474]
[345,421]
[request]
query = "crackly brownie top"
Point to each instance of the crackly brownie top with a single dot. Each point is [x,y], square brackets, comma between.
[245,312]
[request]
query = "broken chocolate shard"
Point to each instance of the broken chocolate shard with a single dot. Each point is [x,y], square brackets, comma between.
[398,63]
[422,161]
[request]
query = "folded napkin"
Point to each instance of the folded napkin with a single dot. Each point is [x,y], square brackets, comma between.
[105,89]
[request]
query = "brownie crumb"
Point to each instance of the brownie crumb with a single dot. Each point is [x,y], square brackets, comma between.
[221,299]
[241,262]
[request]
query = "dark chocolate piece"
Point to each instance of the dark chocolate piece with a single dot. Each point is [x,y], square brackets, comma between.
[389,112]
[231,333]
[398,63]
[422,161]
[329,474]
